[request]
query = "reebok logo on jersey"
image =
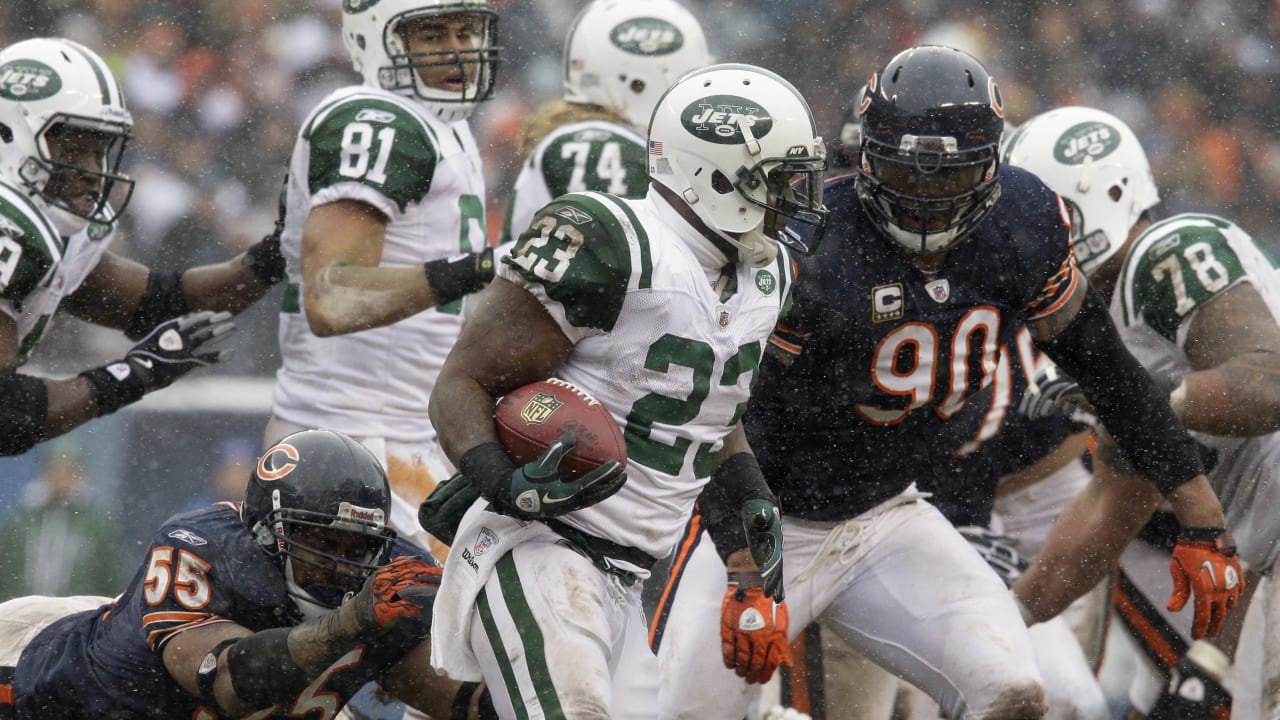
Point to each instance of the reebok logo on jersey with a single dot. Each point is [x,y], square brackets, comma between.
[378,116]
[188,537]
[573,215]
[751,620]
[887,303]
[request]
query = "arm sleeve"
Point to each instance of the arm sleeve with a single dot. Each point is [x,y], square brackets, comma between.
[1127,401]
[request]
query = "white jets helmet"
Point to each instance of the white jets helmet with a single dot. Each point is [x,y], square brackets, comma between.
[736,143]
[1094,161]
[623,54]
[373,31]
[59,92]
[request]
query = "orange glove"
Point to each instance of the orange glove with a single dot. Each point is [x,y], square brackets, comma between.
[386,595]
[1205,563]
[753,629]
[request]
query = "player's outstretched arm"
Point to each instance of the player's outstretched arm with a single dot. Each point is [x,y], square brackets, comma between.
[345,290]
[238,671]
[126,295]
[34,409]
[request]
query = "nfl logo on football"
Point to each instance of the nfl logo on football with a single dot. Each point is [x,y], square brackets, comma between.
[540,408]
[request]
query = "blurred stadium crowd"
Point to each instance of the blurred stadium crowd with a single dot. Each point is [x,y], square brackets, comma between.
[218,89]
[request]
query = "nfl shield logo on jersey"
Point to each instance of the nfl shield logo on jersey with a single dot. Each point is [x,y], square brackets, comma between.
[723,315]
[939,290]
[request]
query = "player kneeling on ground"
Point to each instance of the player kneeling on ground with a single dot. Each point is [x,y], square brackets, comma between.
[281,606]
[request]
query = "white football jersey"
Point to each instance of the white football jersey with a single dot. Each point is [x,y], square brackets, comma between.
[1177,267]
[38,268]
[588,156]
[672,357]
[425,175]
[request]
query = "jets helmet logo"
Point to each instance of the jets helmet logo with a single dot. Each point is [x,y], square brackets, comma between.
[647,36]
[1087,140]
[719,119]
[540,407]
[28,80]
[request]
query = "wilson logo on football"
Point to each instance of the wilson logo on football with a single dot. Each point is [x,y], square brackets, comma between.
[720,118]
[540,408]
[647,36]
[28,80]
[278,462]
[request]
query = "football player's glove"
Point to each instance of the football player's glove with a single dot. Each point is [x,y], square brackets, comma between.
[387,593]
[1205,564]
[263,258]
[999,552]
[443,509]
[1052,393]
[1194,690]
[536,490]
[453,277]
[174,348]
[753,629]
[762,523]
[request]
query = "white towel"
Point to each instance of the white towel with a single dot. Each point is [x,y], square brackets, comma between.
[483,538]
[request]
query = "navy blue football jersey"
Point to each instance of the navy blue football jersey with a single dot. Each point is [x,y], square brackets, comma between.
[201,567]
[892,368]
[965,488]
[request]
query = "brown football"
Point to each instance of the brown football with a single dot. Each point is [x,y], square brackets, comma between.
[531,417]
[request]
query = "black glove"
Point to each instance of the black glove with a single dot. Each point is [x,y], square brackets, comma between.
[537,490]
[999,552]
[443,509]
[1192,693]
[171,350]
[263,258]
[1052,393]
[453,277]
[762,523]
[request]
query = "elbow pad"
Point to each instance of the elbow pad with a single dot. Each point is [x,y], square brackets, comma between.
[1127,400]
[24,413]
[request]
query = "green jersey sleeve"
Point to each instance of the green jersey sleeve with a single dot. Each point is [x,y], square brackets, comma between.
[29,249]
[595,159]
[374,142]
[578,251]
[1176,268]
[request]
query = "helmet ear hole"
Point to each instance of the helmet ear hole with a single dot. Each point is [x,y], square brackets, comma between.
[637,86]
[6,134]
[720,183]
[1116,192]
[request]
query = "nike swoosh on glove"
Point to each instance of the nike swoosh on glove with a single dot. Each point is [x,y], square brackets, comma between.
[753,629]
[1205,564]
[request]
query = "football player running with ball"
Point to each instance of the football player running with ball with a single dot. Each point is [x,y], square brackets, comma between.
[659,308]
[938,255]
[64,125]
[384,233]
[619,57]
[1198,303]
